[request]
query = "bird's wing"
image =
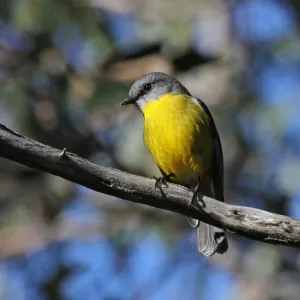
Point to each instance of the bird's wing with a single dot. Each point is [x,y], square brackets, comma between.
[217,170]
[212,239]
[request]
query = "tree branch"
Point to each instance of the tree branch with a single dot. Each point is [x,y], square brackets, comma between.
[250,222]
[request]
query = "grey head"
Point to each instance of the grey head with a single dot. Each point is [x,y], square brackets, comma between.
[152,86]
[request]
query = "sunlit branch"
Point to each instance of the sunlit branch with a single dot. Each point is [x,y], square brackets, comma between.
[250,222]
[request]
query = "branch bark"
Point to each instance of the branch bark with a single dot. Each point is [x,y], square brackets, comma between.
[249,222]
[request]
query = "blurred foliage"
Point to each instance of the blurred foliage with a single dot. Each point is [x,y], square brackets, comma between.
[64,68]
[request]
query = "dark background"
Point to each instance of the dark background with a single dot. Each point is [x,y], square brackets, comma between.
[65,66]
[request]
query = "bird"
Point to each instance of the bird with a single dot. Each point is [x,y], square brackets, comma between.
[182,137]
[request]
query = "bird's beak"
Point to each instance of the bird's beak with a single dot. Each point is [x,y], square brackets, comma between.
[128,101]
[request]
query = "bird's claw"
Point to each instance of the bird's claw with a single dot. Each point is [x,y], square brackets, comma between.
[163,180]
[195,198]
[159,182]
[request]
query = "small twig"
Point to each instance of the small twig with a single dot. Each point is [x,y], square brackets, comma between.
[62,154]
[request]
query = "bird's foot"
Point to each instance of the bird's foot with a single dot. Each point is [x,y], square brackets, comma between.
[195,191]
[196,200]
[163,180]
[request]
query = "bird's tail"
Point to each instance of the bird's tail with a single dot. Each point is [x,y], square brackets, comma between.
[211,239]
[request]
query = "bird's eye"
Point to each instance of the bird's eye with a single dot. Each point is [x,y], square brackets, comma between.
[147,87]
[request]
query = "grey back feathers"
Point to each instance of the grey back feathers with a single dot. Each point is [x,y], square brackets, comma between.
[152,86]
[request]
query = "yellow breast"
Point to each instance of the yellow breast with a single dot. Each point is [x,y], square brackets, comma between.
[178,134]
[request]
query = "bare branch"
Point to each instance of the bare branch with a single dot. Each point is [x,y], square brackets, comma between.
[250,222]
